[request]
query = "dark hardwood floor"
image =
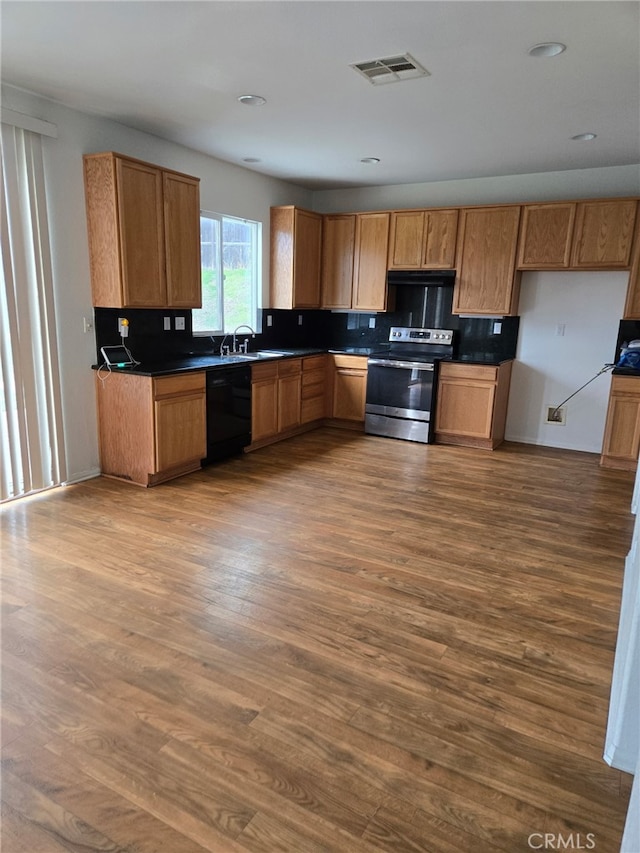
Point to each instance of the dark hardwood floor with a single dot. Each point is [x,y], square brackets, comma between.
[337,643]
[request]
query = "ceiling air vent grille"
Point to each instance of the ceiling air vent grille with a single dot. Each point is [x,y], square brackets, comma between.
[392,69]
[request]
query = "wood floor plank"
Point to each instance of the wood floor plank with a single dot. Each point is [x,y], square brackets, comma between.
[339,643]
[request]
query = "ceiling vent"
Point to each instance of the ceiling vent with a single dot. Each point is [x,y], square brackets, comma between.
[392,69]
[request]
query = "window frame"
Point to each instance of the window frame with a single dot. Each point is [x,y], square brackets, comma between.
[256,271]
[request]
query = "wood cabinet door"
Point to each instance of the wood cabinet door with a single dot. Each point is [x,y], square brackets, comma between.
[181,431]
[487,282]
[338,242]
[621,441]
[603,234]
[406,240]
[349,393]
[465,407]
[441,229]
[140,210]
[182,240]
[307,259]
[632,303]
[370,262]
[289,388]
[264,408]
[545,236]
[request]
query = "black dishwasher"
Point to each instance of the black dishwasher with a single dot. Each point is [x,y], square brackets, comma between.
[228,412]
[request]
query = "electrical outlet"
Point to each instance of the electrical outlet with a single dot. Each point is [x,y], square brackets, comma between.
[167,324]
[180,324]
[87,324]
[299,319]
[372,322]
[556,415]
[269,320]
[497,327]
[123,327]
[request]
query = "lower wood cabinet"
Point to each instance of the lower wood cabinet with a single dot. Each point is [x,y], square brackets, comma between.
[348,388]
[622,430]
[471,407]
[151,429]
[276,396]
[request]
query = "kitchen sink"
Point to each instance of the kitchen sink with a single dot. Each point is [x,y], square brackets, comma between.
[253,356]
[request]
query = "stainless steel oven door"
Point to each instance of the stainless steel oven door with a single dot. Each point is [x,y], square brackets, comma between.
[399,399]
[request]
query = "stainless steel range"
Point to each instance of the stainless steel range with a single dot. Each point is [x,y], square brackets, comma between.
[402,382]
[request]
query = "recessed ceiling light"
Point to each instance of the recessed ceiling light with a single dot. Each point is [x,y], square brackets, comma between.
[250,159]
[547,48]
[370,160]
[252,100]
[584,137]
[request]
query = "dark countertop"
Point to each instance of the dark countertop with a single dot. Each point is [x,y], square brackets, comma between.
[482,358]
[190,363]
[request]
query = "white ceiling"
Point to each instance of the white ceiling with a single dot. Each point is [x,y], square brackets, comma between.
[175,69]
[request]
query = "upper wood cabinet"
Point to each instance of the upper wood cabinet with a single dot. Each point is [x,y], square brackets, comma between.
[487,281]
[545,236]
[296,236]
[144,234]
[632,304]
[423,239]
[370,262]
[603,234]
[338,245]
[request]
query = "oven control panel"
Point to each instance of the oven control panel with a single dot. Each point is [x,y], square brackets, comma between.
[409,335]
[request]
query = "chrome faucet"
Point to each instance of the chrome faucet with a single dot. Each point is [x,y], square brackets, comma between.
[246,341]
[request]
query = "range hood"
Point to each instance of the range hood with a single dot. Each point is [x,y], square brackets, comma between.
[422,278]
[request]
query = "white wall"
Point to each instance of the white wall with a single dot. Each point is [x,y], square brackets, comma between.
[548,186]
[224,188]
[551,366]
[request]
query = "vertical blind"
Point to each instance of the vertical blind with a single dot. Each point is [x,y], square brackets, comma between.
[31,436]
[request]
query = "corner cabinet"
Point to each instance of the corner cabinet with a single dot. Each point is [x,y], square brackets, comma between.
[295,242]
[143,227]
[487,281]
[471,407]
[621,442]
[151,429]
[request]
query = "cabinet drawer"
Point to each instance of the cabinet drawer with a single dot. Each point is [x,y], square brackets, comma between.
[313,409]
[313,377]
[358,362]
[313,389]
[168,386]
[468,371]
[629,385]
[314,362]
[289,367]
[266,370]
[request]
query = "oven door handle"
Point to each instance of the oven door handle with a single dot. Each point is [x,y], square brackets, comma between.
[412,365]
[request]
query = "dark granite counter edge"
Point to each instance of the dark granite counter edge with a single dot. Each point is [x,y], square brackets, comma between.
[217,362]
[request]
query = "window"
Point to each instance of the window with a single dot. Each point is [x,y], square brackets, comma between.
[230,250]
